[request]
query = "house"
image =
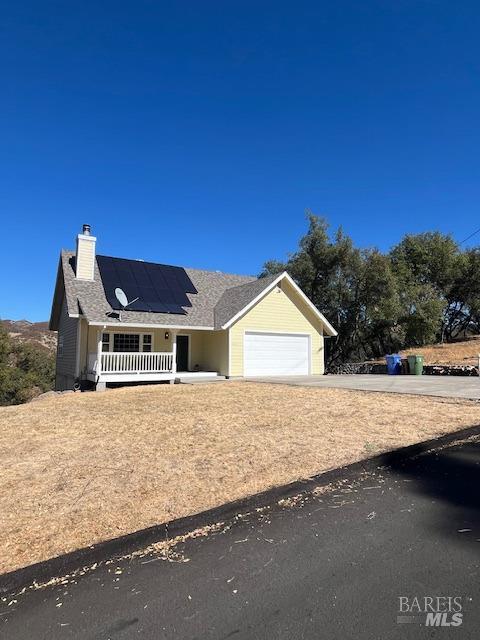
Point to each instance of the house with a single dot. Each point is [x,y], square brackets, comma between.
[124,320]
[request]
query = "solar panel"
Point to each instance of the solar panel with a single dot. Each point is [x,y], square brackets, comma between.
[159,288]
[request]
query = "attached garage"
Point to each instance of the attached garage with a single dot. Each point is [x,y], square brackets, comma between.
[276,354]
[273,329]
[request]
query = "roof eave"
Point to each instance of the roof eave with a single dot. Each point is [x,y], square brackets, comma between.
[57,298]
[147,325]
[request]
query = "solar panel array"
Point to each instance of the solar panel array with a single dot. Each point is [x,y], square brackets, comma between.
[160,288]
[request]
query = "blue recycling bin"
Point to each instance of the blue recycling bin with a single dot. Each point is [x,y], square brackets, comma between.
[394,364]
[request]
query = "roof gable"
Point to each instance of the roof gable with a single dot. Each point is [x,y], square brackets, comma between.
[237,298]
[254,292]
[64,288]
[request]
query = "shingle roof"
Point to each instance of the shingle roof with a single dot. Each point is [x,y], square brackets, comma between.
[236,298]
[89,296]
[219,298]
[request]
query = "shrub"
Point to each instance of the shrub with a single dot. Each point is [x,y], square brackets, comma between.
[25,370]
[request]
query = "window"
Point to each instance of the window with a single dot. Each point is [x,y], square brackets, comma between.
[105,342]
[147,342]
[60,345]
[128,342]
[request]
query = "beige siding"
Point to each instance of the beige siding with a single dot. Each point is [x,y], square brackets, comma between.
[215,352]
[160,343]
[85,257]
[66,350]
[280,310]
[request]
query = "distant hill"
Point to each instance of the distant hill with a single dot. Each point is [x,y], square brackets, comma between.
[36,333]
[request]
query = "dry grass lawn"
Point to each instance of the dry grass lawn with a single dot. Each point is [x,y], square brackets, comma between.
[81,468]
[464,352]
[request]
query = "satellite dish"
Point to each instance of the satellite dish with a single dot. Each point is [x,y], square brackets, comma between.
[123,300]
[121,297]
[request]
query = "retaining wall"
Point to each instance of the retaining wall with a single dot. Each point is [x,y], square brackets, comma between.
[428,370]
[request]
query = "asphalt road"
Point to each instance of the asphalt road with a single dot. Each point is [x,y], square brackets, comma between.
[330,566]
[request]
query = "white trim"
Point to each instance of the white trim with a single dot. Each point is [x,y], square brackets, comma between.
[269,288]
[152,377]
[98,370]
[82,236]
[281,333]
[174,351]
[333,332]
[140,326]
[131,377]
[189,358]
[229,365]
[189,375]
[278,331]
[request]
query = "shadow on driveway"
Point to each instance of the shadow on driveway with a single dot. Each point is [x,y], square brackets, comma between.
[451,477]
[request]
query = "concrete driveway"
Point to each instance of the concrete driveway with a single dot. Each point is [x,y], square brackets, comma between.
[446,386]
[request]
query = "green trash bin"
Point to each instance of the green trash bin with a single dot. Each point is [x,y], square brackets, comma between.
[415,365]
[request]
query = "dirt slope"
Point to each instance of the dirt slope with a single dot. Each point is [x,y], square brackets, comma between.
[36,333]
[461,352]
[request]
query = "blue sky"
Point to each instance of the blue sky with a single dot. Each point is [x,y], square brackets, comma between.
[197,133]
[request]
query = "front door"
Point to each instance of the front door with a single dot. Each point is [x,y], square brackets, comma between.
[182,353]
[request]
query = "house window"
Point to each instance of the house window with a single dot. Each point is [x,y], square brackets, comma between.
[105,342]
[127,342]
[147,342]
[60,345]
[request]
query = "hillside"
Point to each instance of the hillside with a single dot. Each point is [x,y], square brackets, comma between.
[461,352]
[36,333]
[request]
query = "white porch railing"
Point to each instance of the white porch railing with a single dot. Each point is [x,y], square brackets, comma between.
[121,362]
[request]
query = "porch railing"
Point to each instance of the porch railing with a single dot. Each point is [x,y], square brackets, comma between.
[121,362]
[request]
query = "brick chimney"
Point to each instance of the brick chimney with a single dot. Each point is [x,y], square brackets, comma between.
[85,262]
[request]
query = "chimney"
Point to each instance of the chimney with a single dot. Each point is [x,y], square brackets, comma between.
[85,254]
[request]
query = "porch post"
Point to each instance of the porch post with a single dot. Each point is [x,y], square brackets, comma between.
[99,353]
[174,352]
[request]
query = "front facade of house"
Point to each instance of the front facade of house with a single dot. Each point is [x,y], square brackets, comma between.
[196,323]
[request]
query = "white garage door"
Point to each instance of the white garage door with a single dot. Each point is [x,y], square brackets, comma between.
[276,354]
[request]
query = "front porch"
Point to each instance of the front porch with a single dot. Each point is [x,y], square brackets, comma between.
[191,355]
[139,367]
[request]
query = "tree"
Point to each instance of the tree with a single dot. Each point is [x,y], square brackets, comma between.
[464,299]
[25,370]
[354,289]
[426,266]
[424,290]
